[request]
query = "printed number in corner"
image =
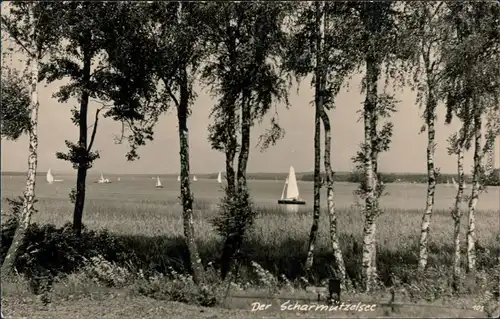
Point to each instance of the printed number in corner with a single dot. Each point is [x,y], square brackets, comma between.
[478,307]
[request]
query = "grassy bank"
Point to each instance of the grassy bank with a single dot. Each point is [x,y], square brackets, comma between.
[153,231]
[140,240]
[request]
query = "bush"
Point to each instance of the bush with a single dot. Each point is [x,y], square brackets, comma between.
[181,288]
[237,216]
[48,251]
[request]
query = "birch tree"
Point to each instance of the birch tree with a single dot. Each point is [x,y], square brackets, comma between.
[34,28]
[320,44]
[178,50]
[458,142]
[383,45]
[472,64]
[426,19]
[245,40]
[319,109]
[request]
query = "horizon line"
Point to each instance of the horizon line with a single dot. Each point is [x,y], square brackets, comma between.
[209,173]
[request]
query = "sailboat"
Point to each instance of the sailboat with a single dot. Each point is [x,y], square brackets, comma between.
[50,178]
[290,194]
[219,178]
[447,182]
[103,180]
[178,178]
[119,179]
[194,178]
[158,183]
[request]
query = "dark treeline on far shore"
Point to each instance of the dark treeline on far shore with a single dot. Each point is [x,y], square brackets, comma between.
[355,177]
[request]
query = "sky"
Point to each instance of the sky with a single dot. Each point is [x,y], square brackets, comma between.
[161,156]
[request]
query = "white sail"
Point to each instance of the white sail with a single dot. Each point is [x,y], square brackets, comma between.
[178,178]
[454,183]
[103,180]
[158,182]
[292,190]
[118,178]
[219,178]
[50,178]
[194,178]
[284,189]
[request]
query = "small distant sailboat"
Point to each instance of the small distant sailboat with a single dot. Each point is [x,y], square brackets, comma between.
[194,178]
[158,182]
[119,179]
[447,182]
[219,178]
[290,193]
[50,178]
[178,178]
[103,180]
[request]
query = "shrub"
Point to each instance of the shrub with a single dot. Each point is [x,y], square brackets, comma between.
[237,216]
[181,288]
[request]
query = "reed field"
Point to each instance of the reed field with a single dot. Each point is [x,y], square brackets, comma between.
[148,222]
[134,208]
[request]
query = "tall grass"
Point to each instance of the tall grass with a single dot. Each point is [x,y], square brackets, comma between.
[153,230]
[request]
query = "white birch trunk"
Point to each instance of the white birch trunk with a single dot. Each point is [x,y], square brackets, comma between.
[29,193]
[431,186]
[457,215]
[471,228]
[334,239]
[317,134]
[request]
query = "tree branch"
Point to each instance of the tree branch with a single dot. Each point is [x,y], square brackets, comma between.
[171,94]
[119,140]
[94,130]
[8,26]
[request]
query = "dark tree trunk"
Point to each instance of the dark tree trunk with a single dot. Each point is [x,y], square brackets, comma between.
[233,242]
[82,144]
[246,123]
[186,196]
[231,146]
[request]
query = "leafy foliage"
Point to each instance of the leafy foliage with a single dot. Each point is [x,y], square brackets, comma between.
[16,22]
[340,55]
[245,41]
[78,155]
[15,105]
[237,215]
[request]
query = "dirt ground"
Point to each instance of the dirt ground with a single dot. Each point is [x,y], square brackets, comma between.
[129,306]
